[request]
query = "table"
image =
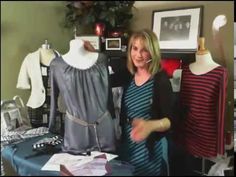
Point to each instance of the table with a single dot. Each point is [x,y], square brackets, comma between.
[15,161]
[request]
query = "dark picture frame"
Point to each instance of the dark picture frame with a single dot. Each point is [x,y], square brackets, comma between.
[178,29]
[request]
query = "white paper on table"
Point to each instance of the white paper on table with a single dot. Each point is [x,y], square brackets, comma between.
[93,168]
[53,164]
[109,156]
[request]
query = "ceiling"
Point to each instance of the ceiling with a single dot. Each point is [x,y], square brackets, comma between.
[150,3]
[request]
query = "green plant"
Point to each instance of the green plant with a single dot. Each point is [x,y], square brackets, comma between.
[87,13]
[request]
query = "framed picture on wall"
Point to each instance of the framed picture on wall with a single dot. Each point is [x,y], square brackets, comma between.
[178,29]
[94,40]
[113,43]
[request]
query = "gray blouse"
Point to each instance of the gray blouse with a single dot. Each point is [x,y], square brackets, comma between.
[88,99]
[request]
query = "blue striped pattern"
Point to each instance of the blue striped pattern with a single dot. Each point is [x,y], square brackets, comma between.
[137,100]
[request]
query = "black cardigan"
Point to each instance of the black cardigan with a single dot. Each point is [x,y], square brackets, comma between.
[161,105]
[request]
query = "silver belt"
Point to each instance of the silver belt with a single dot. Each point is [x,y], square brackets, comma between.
[86,124]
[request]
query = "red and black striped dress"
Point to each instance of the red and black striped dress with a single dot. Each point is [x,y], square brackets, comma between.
[203,97]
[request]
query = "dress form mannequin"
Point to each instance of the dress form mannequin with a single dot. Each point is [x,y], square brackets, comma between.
[203,96]
[83,79]
[78,56]
[204,62]
[46,54]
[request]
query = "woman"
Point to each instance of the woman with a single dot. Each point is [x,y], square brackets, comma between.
[146,103]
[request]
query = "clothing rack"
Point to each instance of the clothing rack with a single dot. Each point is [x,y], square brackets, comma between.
[203,169]
[203,166]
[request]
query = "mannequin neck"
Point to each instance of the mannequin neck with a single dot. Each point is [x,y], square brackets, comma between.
[45,46]
[204,59]
[78,56]
[203,64]
[77,47]
[46,56]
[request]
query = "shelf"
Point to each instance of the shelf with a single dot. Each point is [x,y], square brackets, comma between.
[115,53]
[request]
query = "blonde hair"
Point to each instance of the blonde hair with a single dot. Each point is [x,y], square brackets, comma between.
[151,43]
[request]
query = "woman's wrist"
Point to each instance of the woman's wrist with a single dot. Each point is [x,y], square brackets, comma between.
[159,125]
[152,124]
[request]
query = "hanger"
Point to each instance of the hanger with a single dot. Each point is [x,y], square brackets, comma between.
[46,45]
[201,47]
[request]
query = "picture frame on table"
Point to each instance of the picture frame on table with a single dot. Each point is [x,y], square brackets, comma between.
[113,44]
[178,29]
[94,40]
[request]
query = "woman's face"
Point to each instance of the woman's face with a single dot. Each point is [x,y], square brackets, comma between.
[139,54]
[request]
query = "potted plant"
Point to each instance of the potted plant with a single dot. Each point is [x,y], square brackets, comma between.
[85,14]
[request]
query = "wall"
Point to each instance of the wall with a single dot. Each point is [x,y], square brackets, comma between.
[24,28]
[143,19]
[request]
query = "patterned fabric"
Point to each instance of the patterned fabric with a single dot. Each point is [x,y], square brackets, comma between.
[203,98]
[138,100]
[117,96]
[39,116]
[36,116]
